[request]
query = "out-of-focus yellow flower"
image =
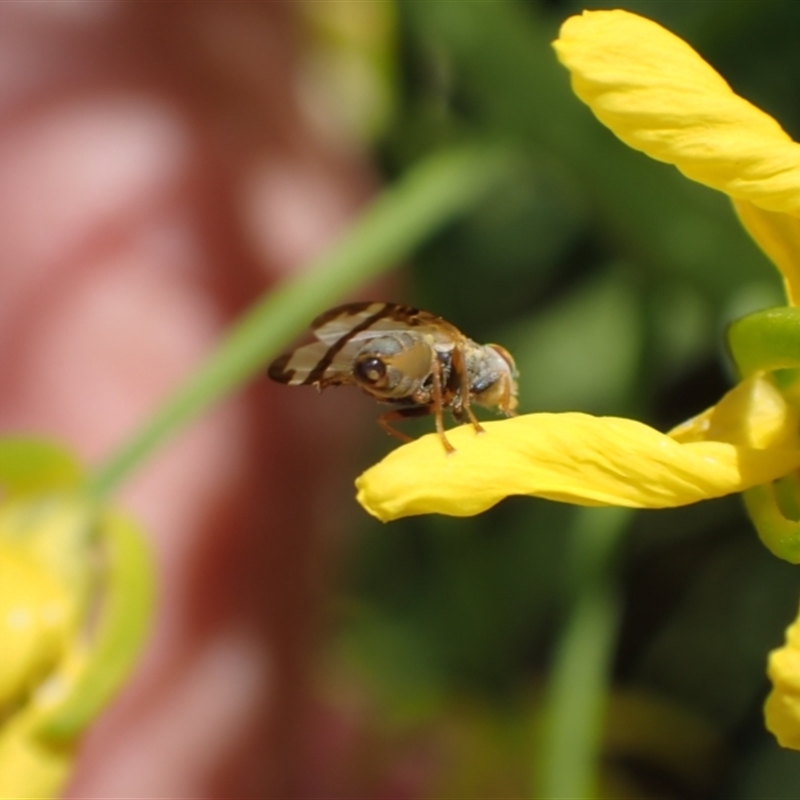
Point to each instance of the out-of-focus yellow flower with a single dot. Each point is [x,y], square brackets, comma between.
[38,620]
[44,585]
[38,617]
[75,594]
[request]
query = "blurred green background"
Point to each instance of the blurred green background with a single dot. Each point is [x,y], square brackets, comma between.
[611,278]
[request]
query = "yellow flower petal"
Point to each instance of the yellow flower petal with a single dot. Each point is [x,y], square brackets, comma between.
[752,414]
[694,429]
[38,616]
[782,709]
[659,96]
[32,764]
[778,235]
[30,768]
[570,457]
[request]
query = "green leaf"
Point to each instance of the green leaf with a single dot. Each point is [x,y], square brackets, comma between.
[578,691]
[36,466]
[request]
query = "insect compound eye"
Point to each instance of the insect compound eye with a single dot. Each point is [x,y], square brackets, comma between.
[370,370]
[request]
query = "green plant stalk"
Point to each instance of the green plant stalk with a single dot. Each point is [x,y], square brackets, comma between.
[578,689]
[427,197]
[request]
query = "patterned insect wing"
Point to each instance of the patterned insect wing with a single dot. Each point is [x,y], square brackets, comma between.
[342,331]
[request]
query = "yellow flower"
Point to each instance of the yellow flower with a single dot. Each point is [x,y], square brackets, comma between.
[43,588]
[658,96]
[75,593]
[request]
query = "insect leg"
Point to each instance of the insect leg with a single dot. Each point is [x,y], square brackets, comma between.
[437,405]
[465,392]
[400,414]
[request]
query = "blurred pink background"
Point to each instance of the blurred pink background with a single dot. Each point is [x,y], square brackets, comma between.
[158,174]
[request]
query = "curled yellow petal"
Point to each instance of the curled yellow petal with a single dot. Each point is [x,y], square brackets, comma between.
[753,414]
[32,765]
[778,235]
[659,96]
[38,616]
[782,709]
[570,457]
[30,768]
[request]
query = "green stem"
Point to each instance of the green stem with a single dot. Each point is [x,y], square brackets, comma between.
[427,197]
[779,534]
[767,340]
[576,696]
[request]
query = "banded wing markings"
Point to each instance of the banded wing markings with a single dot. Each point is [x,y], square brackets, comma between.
[294,367]
[367,320]
[393,318]
[340,327]
[340,333]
